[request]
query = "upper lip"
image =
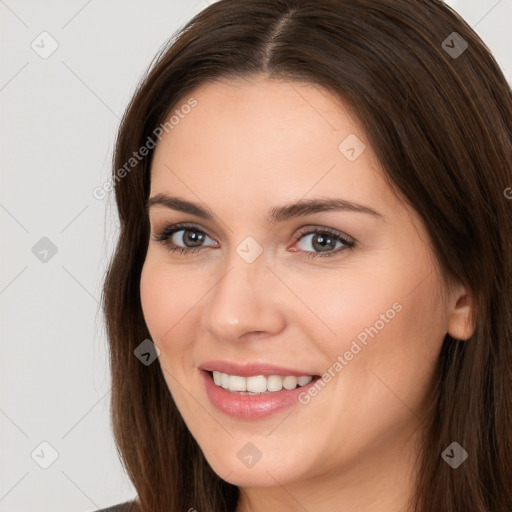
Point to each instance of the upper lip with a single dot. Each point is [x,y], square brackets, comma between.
[250,369]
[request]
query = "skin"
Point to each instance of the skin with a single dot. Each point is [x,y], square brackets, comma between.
[250,145]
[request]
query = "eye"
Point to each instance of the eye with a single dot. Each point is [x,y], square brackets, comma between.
[326,241]
[184,238]
[187,238]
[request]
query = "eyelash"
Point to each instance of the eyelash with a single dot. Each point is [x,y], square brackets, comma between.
[167,233]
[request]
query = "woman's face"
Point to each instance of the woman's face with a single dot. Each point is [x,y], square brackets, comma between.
[250,298]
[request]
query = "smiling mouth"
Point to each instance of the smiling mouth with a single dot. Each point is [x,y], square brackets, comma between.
[259,384]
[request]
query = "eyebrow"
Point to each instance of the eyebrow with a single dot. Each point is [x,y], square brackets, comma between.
[277,214]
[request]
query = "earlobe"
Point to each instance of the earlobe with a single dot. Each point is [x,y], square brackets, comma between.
[461,322]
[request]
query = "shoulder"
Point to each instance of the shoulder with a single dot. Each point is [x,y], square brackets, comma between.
[128,506]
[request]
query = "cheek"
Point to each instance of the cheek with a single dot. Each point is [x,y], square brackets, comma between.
[345,305]
[168,312]
[155,297]
[377,318]
[166,303]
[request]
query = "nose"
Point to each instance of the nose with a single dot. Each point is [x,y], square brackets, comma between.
[244,304]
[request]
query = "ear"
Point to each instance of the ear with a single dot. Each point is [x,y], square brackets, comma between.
[461,322]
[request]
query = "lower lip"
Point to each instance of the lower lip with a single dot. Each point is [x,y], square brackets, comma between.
[251,406]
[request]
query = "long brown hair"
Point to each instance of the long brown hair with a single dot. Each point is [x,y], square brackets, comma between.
[438,115]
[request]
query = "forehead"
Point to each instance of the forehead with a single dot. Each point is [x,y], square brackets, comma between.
[273,139]
[263,116]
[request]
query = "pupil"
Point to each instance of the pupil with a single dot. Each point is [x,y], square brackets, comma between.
[321,241]
[193,238]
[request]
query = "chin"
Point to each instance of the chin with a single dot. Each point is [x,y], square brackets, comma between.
[264,472]
[257,476]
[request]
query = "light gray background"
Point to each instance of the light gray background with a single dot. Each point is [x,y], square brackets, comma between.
[58,122]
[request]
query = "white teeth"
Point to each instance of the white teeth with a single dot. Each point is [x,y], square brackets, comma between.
[237,383]
[259,383]
[302,381]
[290,382]
[274,383]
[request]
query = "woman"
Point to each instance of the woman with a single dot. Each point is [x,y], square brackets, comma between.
[309,303]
